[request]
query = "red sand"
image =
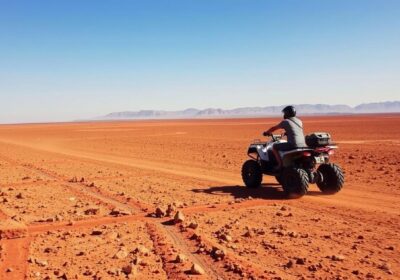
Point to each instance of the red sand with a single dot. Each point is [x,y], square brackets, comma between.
[83,192]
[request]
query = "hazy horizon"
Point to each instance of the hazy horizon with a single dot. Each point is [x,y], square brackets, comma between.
[68,60]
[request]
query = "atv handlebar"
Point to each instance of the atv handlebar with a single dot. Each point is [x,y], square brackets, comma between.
[276,137]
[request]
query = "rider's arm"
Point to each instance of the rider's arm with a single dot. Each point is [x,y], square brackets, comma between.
[272,129]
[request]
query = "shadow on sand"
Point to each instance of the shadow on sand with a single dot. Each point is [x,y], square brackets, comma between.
[266,191]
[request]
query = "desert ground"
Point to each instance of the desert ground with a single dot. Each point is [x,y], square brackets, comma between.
[97,201]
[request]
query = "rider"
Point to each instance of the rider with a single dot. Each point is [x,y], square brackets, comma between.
[294,130]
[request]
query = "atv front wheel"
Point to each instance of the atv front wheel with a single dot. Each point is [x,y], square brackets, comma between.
[332,178]
[252,174]
[294,182]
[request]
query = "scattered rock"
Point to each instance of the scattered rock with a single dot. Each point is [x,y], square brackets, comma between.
[58,218]
[312,268]
[92,211]
[248,233]
[289,264]
[180,258]
[41,263]
[301,261]
[217,254]
[385,267]
[160,212]
[226,237]
[293,234]
[197,270]
[97,232]
[120,212]
[19,196]
[142,250]
[338,258]
[170,209]
[73,180]
[129,269]
[193,225]
[48,250]
[179,217]
[121,254]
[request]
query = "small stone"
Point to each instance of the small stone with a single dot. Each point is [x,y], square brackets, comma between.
[120,212]
[160,212]
[58,218]
[129,269]
[301,261]
[248,233]
[289,264]
[121,254]
[385,267]
[338,258]
[170,209]
[97,232]
[41,263]
[48,250]
[19,196]
[180,258]
[312,268]
[179,217]
[226,237]
[9,269]
[142,250]
[92,211]
[193,225]
[197,270]
[217,254]
[73,180]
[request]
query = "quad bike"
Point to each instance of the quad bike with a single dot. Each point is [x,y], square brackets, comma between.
[300,166]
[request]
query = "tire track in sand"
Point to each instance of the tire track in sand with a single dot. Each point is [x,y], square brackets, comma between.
[14,258]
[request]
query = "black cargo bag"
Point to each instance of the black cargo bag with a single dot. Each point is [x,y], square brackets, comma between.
[318,139]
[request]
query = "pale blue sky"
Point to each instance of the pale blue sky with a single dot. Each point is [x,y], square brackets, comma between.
[64,60]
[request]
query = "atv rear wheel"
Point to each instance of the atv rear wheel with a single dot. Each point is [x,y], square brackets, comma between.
[332,178]
[294,182]
[252,174]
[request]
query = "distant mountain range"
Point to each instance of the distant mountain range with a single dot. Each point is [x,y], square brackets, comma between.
[303,109]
